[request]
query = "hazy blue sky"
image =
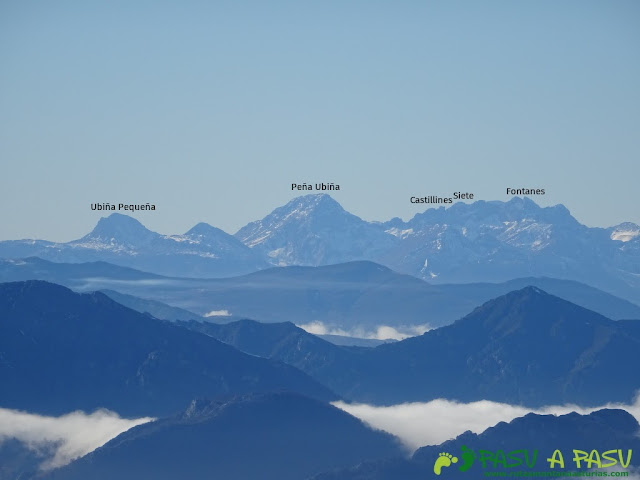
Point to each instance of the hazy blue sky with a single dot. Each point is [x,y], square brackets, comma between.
[210,110]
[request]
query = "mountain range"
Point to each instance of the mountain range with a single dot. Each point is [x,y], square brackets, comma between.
[203,251]
[255,393]
[85,351]
[357,297]
[526,347]
[479,242]
[278,436]
[539,435]
[62,351]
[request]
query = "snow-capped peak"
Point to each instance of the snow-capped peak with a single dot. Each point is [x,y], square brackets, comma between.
[625,232]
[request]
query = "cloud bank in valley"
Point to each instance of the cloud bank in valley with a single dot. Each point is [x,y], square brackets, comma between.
[70,436]
[218,313]
[381,332]
[431,423]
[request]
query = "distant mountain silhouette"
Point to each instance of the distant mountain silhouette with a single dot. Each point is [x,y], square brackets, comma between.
[314,230]
[70,274]
[497,241]
[119,231]
[483,241]
[153,307]
[479,242]
[268,436]
[601,430]
[204,251]
[345,296]
[62,351]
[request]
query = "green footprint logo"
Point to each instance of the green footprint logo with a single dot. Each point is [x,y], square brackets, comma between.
[444,460]
[468,457]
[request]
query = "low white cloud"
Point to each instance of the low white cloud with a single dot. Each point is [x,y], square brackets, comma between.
[218,313]
[431,423]
[71,436]
[634,472]
[385,332]
[381,332]
[319,328]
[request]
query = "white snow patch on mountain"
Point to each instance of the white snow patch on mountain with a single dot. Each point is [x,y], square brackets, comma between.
[276,253]
[259,240]
[180,239]
[624,235]
[396,232]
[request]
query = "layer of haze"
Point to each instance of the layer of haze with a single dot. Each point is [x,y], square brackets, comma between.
[210,110]
[431,423]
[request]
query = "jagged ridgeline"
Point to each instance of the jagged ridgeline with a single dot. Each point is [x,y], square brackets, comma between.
[532,439]
[478,242]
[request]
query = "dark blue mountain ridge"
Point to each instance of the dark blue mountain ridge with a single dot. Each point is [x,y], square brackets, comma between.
[346,296]
[68,274]
[601,430]
[85,351]
[277,436]
[526,347]
[154,308]
[284,342]
[19,461]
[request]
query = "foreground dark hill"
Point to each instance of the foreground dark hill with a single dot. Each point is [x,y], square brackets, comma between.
[526,347]
[19,462]
[583,295]
[602,430]
[271,436]
[83,276]
[346,296]
[63,351]
[289,344]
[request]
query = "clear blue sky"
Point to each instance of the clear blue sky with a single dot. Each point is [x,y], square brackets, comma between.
[210,110]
